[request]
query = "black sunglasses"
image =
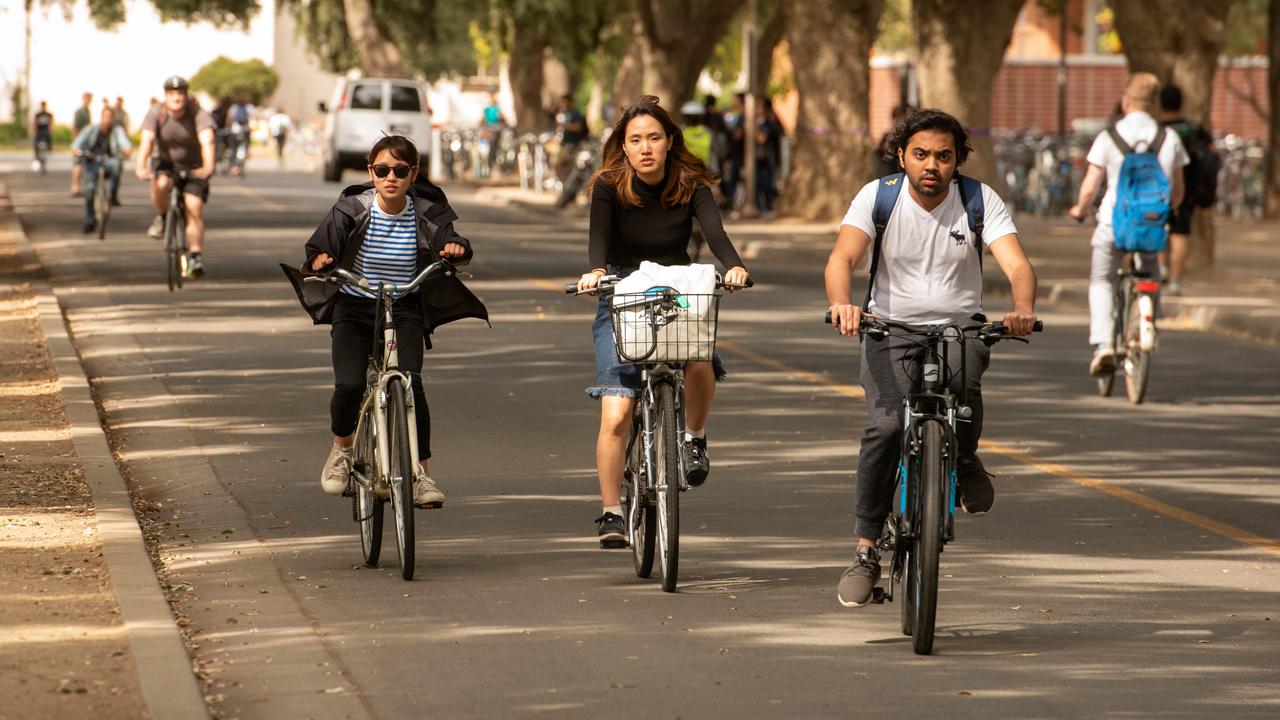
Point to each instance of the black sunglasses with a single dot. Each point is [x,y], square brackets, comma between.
[401,171]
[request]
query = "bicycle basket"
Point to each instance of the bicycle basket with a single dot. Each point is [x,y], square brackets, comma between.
[663,325]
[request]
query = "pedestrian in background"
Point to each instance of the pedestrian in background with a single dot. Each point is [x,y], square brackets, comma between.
[81,120]
[1201,176]
[279,124]
[121,116]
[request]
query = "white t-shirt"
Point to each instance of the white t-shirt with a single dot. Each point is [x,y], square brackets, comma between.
[1139,130]
[929,268]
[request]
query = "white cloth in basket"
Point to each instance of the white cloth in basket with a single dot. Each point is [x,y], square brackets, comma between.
[689,336]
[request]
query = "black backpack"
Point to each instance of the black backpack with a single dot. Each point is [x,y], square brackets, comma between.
[1202,173]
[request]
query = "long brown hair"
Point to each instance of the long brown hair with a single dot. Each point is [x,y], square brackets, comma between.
[685,171]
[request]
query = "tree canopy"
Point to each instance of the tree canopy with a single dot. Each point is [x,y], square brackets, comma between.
[251,81]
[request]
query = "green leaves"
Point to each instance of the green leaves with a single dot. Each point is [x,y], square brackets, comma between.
[252,81]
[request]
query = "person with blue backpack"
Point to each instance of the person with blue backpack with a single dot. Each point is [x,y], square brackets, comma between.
[926,228]
[1142,163]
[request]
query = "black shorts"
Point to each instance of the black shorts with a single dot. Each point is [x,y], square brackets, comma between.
[198,187]
[1180,218]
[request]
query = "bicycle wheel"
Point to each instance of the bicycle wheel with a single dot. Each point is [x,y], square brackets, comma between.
[174,242]
[666,460]
[1137,362]
[642,524]
[102,204]
[367,505]
[400,475]
[928,544]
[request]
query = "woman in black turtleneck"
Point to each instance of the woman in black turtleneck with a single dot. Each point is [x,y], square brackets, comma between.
[643,202]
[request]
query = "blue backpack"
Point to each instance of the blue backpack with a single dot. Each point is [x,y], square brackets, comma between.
[1142,197]
[887,196]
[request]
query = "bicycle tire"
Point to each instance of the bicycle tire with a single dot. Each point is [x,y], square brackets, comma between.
[1137,362]
[173,242]
[666,460]
[642,523]
[400,476]
[928,545]
[102,204]
[368,506]
[905,590]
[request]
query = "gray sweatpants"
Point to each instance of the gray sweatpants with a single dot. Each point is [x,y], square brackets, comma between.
[889,367]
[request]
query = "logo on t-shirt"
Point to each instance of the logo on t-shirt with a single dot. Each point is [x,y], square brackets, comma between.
[959,238]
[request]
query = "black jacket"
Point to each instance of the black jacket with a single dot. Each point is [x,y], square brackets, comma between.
[342,233]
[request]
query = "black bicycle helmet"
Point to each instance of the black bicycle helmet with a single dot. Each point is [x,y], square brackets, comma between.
[175,83]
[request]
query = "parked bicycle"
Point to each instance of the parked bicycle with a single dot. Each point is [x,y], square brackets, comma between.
[175,233]
[1133,318]
[923,519]
[659,330]
[384,453]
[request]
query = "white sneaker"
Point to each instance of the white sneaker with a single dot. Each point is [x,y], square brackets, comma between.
[1103,362]
[333,478]
[425,492]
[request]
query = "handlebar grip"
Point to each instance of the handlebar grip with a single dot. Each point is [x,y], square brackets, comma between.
[828,318]
[1038,327]
[570,288]
[749,283]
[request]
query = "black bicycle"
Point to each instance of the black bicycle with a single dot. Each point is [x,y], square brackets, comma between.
[1133,330]
[101,195]
[659,330]
[175,233]
[923,519]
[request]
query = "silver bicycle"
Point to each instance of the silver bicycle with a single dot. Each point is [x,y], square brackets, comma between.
[385,454]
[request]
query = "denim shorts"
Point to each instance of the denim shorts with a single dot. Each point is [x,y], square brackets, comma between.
[616,378]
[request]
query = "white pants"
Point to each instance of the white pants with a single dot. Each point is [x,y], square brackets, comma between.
[1103,281]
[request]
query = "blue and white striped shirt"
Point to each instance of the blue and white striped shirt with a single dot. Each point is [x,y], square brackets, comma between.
[390,250]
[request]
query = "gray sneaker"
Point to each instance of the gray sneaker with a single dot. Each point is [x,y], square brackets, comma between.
[156,231]
[858,582]
[426,494]
[337,467]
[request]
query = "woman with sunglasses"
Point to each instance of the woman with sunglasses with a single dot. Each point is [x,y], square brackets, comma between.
[644,199]
[387,230]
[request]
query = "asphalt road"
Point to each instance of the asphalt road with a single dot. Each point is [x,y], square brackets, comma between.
[1130,568]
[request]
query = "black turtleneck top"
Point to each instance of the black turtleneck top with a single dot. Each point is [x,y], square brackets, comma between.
[652,231]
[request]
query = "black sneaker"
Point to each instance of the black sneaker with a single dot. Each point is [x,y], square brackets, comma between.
[89,227]
[613,532]
[696,463]
[973,483]
[858,582]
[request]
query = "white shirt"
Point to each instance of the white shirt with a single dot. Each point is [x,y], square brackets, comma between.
[929,269]
[1139,130]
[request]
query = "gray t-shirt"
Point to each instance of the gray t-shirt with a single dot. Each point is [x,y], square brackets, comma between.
[178,139]
[929,269]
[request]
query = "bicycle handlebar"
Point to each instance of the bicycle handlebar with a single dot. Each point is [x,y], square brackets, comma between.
[881,327]
[608,281]
[342,276]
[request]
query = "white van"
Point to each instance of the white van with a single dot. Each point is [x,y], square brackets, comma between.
[364,109]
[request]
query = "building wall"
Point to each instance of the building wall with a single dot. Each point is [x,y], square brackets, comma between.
[1025,95]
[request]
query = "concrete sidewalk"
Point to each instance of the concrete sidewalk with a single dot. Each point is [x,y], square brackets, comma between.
[1239,296]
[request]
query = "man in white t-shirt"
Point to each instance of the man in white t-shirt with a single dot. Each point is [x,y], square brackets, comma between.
[929,272]
[1139,130]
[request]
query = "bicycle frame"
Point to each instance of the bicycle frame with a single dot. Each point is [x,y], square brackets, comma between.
[652,375]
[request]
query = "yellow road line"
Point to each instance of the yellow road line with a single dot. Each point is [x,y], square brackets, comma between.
[252,194]
[1025,457]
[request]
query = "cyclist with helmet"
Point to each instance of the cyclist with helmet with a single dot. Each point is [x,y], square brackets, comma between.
[177,136]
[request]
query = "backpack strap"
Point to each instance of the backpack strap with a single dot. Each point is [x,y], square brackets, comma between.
[1119,141]
[1158,140]
[971,198]
[886,197]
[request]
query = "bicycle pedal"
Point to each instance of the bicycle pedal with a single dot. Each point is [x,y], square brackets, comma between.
[429,506]
[878,596]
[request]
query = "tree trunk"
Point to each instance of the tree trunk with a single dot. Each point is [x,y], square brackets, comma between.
[378,55]
[1179,42]
[960,50]
[830,43]
[679,37]
[524,72]
[1272,206]
[770,36]
[629,84]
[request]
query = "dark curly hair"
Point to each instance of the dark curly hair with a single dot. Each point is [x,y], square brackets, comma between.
[929,119]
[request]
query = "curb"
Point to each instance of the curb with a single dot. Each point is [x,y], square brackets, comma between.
[169,685]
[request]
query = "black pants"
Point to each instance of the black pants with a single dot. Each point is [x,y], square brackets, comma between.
[352,338]
[888,370]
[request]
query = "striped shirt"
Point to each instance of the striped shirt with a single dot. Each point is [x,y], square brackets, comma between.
[390,249]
